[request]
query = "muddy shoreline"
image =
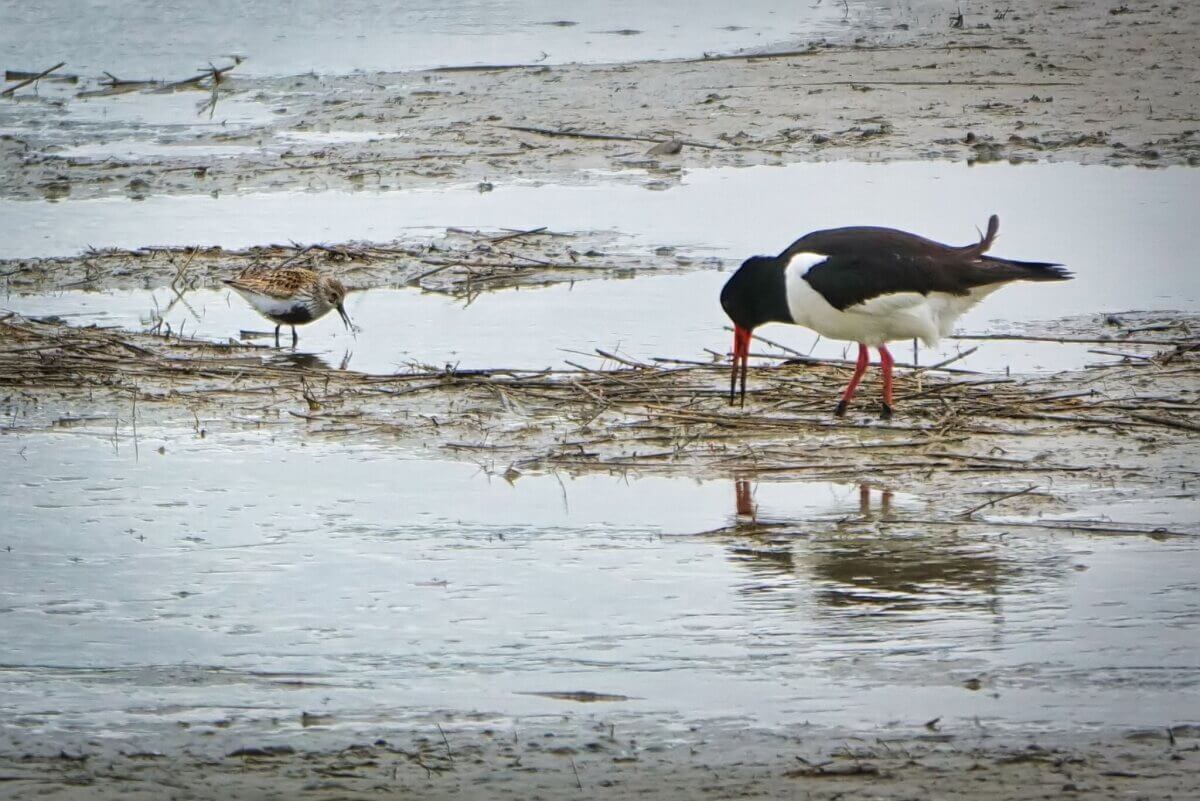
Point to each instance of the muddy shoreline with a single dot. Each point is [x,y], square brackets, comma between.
[594,755]
[1019,82]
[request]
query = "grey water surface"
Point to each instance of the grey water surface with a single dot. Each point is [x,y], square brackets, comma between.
[249,581]
[169,39]
[1123,231]
[242,581]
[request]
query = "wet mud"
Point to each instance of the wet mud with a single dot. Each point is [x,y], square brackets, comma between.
[585,755]
[1016,82]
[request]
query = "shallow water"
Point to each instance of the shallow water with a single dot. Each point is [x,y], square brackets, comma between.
[240,581]
[134,126]
[141,593]
[672,316]
[1124,231]
[173,38]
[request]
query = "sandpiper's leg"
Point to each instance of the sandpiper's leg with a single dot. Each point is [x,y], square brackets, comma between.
[277,336]
[295,337]
[886,361]
[859,368]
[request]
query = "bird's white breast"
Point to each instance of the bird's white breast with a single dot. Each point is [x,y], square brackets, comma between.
[268,305]
[896,315]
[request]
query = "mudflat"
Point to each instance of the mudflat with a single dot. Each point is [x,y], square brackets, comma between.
[1019,81]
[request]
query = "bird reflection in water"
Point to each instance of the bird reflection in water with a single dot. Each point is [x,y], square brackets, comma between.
[308,361]
[745,498]
[864,503]
[854,563]
[747,509]
[760,545]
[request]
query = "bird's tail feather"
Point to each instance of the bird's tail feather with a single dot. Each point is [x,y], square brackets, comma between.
[985,241]
[1028,270]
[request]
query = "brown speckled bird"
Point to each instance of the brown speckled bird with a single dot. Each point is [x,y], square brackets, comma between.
[291,296]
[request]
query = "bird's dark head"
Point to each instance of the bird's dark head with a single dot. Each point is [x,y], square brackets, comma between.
[754,295]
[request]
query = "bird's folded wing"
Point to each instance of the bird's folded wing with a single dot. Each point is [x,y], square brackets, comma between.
[283,283]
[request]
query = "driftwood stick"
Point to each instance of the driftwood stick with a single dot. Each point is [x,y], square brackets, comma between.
[1078,340]
[945,362]
[985,504]
[388,160]
[20,75]
[215,73]
[592,135]
[8,92]
[114,82]
[937,83]
[516,234]
[1163,420]
[980,83]
[798,356]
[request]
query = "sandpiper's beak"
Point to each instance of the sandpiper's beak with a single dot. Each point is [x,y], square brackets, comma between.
[346,319]
[741,357]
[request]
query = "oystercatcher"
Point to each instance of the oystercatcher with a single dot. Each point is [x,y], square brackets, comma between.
[871,286]
[291,296]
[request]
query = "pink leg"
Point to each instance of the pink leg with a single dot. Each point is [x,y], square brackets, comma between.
[745,498]
[859,368]
[741,356]
[886,362]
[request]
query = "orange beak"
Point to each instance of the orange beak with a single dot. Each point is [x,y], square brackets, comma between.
[741,357]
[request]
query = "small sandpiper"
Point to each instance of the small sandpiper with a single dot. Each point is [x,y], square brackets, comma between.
[291,296]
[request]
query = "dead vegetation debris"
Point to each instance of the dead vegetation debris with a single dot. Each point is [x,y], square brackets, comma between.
[460,262]
[1121,419]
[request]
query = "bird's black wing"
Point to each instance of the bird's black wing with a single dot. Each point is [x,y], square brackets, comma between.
[849,279]
[867,262]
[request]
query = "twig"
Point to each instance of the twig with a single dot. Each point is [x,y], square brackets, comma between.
[945,362]
[1078,340]
[449,753]
[1169,422]
[516,234]
[1140,356]
[592,135]
[216,73]
[20,75]
[975,509]
[1089,526]
[936,83]
[134,416]
[624,361]
[28,81]
[389,160]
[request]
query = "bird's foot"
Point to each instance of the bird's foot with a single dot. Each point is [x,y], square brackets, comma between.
[885,412]
[840,409]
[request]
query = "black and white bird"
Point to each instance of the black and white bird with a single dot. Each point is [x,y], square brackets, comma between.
[871,286]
